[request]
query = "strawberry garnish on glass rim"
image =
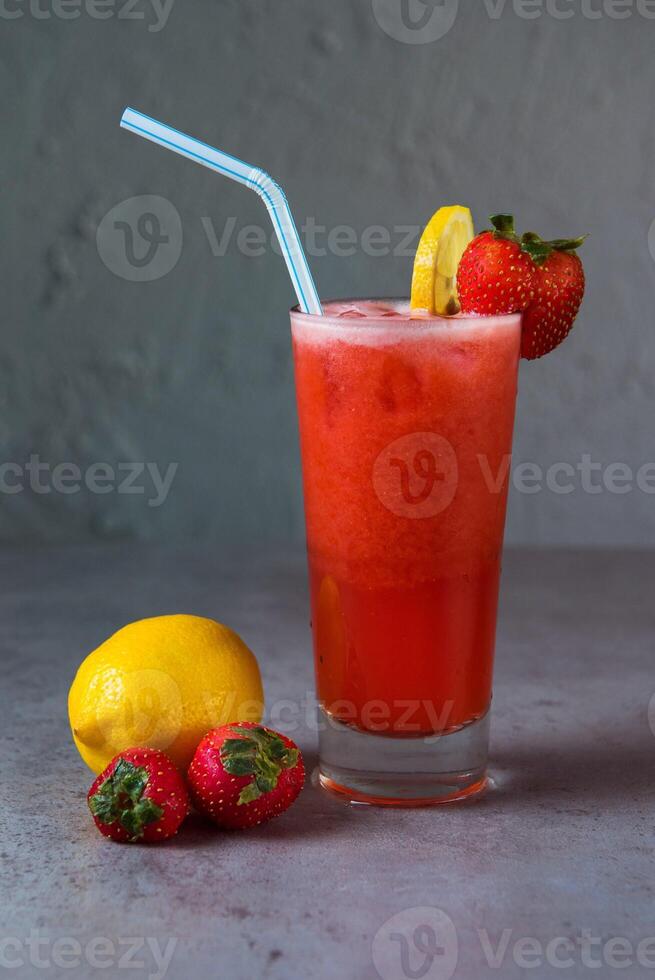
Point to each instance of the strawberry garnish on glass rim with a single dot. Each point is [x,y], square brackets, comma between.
[501,273]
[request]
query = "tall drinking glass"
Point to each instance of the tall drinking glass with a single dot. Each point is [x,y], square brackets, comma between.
[406,434]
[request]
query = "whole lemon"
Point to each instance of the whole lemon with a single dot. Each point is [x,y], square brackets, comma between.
[162,683]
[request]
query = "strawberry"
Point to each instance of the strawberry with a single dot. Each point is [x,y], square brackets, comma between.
[500,273]
[244,774]
[549,318]
[140,796]
[495,277]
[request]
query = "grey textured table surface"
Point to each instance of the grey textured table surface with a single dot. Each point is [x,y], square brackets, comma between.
[560,850]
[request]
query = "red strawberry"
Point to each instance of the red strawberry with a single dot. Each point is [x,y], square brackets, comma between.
[495,277]
[501,273]
[550,317]
[244,774]
[140,796]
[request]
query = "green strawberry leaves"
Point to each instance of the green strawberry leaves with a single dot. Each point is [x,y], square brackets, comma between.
[531,243]
[250,793]
[259,753]
[119,799]
[568,244]
[504,226]
[535,247]
[137,818]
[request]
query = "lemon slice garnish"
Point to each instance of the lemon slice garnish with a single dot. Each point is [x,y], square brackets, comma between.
[442,244]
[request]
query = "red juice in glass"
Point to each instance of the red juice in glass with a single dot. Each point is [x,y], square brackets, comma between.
[406,433]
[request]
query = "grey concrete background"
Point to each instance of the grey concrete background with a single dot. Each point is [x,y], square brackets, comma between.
[514,108]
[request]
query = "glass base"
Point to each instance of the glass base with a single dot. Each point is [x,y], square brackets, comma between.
[385,771]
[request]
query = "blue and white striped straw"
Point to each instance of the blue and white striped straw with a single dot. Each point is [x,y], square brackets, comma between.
[259,181]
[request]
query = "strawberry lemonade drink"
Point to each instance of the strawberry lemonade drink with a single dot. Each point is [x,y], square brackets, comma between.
[406,419]
[406,430]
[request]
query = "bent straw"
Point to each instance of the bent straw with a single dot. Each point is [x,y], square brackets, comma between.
[258,181]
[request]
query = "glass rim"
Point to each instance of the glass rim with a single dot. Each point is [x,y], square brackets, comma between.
[375,323]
